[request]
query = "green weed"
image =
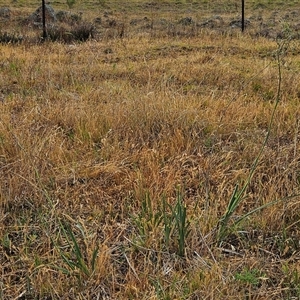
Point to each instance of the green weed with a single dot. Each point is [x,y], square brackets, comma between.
[250,277]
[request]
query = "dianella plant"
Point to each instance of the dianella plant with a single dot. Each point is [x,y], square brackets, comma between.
[168,223]
[75,259]
[176,223]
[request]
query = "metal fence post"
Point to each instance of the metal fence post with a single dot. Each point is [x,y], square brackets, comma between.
[243,15]
[44,19]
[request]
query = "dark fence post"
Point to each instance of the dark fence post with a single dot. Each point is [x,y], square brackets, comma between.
[44,19]
[243,15]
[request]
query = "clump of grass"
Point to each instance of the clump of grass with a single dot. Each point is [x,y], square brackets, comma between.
[83,32]
[78,33]
[10,38]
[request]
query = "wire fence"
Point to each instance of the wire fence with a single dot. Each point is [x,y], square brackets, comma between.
[102,19]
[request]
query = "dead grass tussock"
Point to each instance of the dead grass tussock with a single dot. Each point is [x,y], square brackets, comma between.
[88,130]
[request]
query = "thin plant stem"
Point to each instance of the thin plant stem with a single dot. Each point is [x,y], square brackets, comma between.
[238,195]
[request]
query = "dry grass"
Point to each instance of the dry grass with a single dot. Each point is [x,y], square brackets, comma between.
[90,131]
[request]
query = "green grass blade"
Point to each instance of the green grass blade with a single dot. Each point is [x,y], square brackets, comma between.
[94,257]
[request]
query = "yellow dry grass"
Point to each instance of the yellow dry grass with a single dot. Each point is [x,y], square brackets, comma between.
[89,131]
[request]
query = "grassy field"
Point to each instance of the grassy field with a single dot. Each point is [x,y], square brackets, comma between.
[158,159]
